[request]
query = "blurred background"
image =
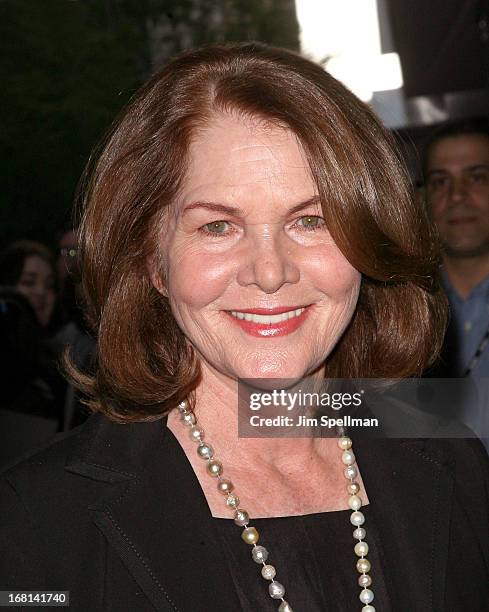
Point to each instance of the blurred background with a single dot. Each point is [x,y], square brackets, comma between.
[68,67]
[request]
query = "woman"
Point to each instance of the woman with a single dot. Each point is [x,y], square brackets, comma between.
[29,268]
[28,412]
[244,182]
[37,388]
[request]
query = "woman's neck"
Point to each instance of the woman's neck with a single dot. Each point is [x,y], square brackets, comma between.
[218,414]
[273,476]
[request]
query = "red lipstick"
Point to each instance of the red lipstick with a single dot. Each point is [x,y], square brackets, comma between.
[272,329]
[270,311]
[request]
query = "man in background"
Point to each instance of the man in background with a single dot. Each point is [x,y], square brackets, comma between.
[73,333]
[67,261]
[456,168]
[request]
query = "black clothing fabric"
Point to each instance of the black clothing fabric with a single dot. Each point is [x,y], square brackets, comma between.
[115,514]
[314,558]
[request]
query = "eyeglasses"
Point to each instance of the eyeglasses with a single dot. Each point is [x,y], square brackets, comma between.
[71,252]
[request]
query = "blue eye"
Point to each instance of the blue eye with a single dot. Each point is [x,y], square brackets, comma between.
[311,223]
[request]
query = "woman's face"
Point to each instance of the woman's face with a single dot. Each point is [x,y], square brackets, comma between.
[246,238]
[36,283]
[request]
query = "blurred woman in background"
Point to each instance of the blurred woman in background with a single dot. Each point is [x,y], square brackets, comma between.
[29,268]
[33,397]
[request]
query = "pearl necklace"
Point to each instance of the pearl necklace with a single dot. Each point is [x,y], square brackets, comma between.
[250,534]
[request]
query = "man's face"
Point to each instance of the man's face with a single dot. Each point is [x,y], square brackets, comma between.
[458,193]
[67,259]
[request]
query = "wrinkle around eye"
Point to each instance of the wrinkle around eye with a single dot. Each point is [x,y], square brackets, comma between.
[205,229]
[313,228]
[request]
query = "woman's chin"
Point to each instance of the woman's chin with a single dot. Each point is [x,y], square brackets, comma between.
[270,383]
[270,377]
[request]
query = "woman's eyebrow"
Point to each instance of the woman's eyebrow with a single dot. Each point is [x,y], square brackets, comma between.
[232,210]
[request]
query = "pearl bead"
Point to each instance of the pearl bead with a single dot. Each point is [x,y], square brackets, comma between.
[344,443]
[196,433]
[359,533]
[363,566]
[366,596]
[224,486]
[232,501]
[250,535]
[276,590]
[259,554]
[268,572]
[183,405]
[353,488]
[357,518]
[214,468]
[188,418]
[348,457]
[361,549]
[355,502]
[205,451]
[364,581]
[241,517]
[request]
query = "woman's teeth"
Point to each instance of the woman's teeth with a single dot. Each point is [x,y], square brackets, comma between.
[267,319]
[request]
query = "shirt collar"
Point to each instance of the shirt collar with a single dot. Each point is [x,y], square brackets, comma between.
[480,290]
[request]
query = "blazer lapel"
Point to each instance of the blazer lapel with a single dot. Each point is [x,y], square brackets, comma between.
[156,518]
[410,490]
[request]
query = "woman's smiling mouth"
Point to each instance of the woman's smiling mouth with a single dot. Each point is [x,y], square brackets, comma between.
[273,322]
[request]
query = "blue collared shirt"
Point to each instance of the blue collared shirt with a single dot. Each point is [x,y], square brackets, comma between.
[469,321]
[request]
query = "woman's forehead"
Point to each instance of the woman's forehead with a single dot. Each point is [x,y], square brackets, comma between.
[239,153]
[35,263]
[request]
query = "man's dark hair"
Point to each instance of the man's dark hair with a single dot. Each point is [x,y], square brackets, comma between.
[451,129]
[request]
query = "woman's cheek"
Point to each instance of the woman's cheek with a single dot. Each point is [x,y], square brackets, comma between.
[51,300]
[333,273]
[198,279]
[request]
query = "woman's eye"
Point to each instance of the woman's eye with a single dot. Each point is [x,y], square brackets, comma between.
[216,227]
[311,222]
[27,283]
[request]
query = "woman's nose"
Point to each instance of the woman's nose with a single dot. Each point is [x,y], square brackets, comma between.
[39,289]
[268,261]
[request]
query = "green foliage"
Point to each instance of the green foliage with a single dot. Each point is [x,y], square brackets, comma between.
[69,66]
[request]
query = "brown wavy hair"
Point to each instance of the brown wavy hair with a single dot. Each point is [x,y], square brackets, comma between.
[145,365]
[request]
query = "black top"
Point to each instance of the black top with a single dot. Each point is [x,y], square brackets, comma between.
[313,555]
[114,515]
[314,558]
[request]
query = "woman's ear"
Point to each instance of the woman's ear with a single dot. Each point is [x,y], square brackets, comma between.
[153,266]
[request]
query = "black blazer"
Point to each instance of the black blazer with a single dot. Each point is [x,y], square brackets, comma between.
[108,513]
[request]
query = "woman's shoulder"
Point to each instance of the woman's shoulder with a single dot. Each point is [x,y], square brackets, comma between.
[462,454]
[469,461]
[39,476]
[464,458]
[100,450]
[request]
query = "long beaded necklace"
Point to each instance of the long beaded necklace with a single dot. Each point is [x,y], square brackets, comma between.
[251,536]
